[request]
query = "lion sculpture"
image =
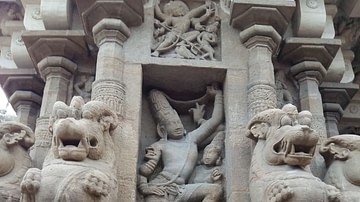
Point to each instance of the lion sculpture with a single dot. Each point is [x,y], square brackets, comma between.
[81,163]
[342,157]
[15,140]
[279,168]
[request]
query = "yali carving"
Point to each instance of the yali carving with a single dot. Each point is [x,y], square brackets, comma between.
[342,156]
[279,167]
[15,140]
[81,164]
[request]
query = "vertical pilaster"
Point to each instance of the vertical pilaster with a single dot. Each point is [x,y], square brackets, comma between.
[27,106]
[262,41]
[57,72]
[109,86]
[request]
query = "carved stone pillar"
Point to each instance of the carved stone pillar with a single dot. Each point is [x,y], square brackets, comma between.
[336,97]
[27,106]
[311,57]
[262,42]
[57,72]
[261,25]
[109,87]
[106,24]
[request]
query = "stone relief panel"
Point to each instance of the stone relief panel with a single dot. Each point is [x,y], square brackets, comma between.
[186,31]
[342,158]
[285,147]
[15,140]
[175,167]
[81,163]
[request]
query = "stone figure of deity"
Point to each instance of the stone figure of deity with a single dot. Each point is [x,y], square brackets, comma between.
[176,154]
[209,170]
[190,33]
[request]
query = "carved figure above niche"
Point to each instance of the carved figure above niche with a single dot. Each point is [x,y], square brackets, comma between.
[183,32]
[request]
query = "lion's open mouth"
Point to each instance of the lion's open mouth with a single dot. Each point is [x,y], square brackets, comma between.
[294,149]
[72,149]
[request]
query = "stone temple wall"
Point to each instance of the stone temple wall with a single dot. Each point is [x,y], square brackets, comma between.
[180,100]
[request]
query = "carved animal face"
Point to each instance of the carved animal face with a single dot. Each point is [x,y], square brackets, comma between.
[285,140]
[81,131]
[343,152]
[293,145]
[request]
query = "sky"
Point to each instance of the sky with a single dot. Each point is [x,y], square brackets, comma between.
[4,103]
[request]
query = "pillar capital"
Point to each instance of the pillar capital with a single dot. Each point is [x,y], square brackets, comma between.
[110,30]
[20,96]
[56,65]
[308,70]
[245,13]
[130,12]
[261,35]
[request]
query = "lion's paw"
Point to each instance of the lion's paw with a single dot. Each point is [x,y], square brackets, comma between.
[31,181]
[97,183]
[279,191]
[333,193]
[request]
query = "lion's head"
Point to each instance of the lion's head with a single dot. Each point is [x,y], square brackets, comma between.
[286,135]
[81,130]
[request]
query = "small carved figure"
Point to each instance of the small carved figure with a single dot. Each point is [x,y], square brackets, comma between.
[207,39]
[81,165]
[15,140]
[176,153]
[173,27]
[210,171]
[83,87]
[342,157]
[284,149]
[282,93]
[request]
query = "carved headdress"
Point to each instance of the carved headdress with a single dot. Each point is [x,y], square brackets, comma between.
[161,107]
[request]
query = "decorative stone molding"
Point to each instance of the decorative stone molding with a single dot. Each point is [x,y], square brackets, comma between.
[277,14]
[57,14]
[130,12]
[70,44]
[309,18]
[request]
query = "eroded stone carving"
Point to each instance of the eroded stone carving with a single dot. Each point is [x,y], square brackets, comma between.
[342,157]
[283,94]
[176,153]
[83,86]
[285,146]
[16,138]
[209,171]
[184,33]
[81,164]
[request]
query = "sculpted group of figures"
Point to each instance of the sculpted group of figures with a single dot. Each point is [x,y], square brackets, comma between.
[180,165]
[184,33]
